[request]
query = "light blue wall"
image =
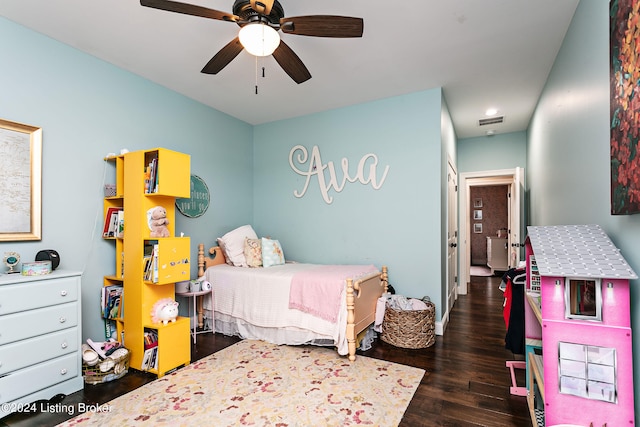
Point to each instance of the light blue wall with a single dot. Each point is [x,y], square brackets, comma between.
[500,151]
[87,108]
[568,155]
[397,225]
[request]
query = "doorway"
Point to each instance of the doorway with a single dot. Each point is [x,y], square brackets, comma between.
[514,180]
[489,225]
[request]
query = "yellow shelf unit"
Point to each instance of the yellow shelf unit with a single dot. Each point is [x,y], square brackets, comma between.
[173,171]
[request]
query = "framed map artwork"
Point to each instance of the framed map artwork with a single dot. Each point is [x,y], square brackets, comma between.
[20,182]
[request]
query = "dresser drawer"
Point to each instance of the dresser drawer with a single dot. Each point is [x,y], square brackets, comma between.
[21,354]
[29,380]
[29,295]
[20,326]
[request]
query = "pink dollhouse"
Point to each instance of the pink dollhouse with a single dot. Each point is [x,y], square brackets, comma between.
[577,328]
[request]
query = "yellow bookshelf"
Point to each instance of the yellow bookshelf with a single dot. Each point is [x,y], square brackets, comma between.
[133,193]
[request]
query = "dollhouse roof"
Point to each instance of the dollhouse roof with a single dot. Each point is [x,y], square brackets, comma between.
[578,251]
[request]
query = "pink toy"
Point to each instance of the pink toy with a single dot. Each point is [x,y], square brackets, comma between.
[164,311]
[577,310]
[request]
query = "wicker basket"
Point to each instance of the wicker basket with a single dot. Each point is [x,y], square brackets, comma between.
[409,328]
[95,375]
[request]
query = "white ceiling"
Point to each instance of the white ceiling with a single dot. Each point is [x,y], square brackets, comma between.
[483,53]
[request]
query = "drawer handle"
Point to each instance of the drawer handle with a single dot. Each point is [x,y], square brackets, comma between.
[64,345]
[63,371]
[63,319]
[63,293]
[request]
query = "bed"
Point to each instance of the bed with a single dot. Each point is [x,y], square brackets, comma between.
[255,303]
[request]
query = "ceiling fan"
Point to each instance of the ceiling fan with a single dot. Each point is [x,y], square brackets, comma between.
[267,18]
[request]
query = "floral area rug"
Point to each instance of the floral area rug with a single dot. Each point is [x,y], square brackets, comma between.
[253,383]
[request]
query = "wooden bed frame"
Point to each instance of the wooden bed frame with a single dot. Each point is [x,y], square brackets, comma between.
[362,295]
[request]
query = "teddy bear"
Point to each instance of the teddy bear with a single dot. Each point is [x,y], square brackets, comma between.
[157,219]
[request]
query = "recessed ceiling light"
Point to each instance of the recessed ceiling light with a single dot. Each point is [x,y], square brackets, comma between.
[491,132]
[491,112]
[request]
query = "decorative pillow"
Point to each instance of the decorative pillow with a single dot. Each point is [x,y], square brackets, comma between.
[253,252]
[233,244]
[271,252]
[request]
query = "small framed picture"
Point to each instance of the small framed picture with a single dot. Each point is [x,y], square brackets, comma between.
[477,214]
[477,228]
[477,203]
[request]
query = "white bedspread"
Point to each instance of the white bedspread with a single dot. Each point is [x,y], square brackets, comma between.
[260,297]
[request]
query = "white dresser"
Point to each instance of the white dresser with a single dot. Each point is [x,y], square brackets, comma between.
[40,338]
[497,254]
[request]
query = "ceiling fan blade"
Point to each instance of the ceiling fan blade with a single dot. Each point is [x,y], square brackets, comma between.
[291,63]
[262,6]
[323,26]
[189,9]
[223,57]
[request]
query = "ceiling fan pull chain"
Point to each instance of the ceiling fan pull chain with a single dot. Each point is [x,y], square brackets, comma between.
[256,75]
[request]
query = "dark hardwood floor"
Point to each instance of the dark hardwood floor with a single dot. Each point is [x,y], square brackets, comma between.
[466,381]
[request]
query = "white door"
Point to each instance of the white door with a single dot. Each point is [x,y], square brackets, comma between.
[515,212]
[452,237]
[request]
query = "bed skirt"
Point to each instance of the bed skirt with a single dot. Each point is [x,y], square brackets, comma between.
[230,326]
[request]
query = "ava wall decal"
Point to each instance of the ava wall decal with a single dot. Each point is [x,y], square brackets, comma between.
[624,70]
[198,202]
[366,173]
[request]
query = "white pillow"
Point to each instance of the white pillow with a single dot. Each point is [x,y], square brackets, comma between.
[233,244]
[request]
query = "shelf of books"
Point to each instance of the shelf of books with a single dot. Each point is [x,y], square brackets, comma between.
[145,180]
[113,230]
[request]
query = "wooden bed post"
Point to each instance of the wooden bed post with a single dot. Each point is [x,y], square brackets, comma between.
[351,318]
[200,260]
[384,277]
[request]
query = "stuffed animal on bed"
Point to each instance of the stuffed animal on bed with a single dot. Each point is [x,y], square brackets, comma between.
[164,311]
[157,219]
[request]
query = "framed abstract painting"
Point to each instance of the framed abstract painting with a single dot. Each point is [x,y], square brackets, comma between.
[624,78]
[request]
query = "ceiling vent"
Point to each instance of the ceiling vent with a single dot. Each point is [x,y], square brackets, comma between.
[491,121]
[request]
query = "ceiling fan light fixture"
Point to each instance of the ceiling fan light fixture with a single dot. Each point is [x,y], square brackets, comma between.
[259,39]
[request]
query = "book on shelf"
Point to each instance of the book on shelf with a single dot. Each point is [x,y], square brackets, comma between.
[110,329]
[120,224]
[150,356]
[151,177]
[110,227]
[150,263]
[111,301]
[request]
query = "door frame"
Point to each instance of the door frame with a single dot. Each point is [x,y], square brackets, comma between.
[453,236]
[466,181]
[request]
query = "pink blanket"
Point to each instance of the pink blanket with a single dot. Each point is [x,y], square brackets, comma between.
[317,291]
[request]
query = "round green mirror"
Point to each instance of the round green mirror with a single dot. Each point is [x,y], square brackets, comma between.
[198,202]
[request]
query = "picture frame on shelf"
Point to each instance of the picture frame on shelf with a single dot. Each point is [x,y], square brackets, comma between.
[20,181]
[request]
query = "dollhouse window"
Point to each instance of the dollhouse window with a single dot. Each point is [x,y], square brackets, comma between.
[583,299]
[588,371]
